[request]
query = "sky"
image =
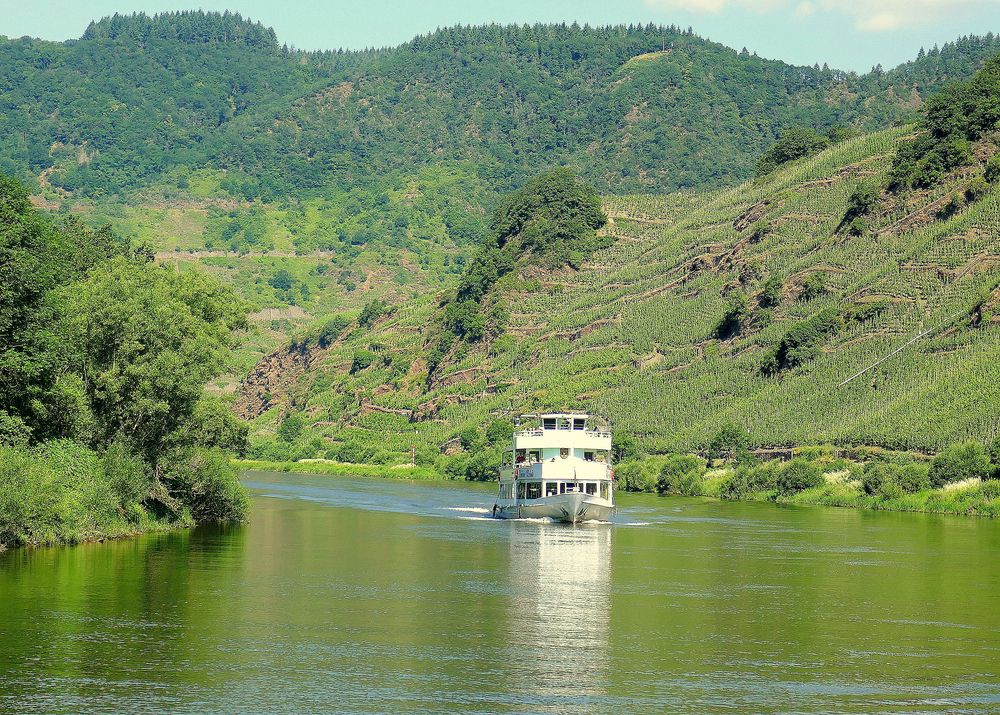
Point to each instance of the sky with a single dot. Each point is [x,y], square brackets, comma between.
[846,34]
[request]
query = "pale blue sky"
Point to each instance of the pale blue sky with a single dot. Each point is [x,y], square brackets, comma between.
[848,34]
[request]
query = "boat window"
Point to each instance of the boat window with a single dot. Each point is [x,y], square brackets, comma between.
[519,456]
[551,489]
[591,487]
[589,456]
[605,490]
[520,490]
[534,456]
[534,490]
[549,423]
[578,423]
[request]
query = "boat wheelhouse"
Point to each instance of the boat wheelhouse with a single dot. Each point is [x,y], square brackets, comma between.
[559,467]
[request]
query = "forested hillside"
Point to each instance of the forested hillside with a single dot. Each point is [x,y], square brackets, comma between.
[138,99]
[851,296]
[317,182]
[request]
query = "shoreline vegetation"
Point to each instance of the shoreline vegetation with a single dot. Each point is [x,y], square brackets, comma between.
[963,479]
[332,468]
[106,428]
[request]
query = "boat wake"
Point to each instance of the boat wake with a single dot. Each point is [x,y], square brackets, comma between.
[468,509]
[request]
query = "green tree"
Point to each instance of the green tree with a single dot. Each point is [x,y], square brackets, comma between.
[282,280]
[798,475]
[795,143]
[730,441]
[770,293]
[145,340]
[964,460]
[372,311]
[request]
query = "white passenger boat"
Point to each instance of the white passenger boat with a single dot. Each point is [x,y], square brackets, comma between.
[558,468]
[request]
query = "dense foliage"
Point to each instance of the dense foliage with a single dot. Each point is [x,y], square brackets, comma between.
[102,349]
[960,480]
[796,143]
[140,100]
[956,116]
[549,222]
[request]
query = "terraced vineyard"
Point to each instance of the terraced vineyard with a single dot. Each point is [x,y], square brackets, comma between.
[633,335]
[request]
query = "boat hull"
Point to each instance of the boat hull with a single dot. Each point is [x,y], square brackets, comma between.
[569,508]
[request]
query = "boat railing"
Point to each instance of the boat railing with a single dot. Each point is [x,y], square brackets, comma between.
[539,432]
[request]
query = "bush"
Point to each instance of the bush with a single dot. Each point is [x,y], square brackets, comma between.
[770,292]
[798,475]
[891,480]
[859,204]
[624,448]
[992,173]
[681,474]
[331,330]
[748,480]
[13,431]
[637,476]
[964,460]
[129,479]
[354,451]
[995,452]
[213,424]
[206,482]
[731,322]
[372,311]
[976,189]
[64,492]
[858,226]
[794,143]
[500,432]
[291,427]
[362,360]
[732,441]
[814,286]
[482,466]
[469,438]
[802,341]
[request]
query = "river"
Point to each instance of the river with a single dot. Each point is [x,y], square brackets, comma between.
[366,595]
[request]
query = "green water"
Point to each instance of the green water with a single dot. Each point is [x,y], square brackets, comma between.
[379,596]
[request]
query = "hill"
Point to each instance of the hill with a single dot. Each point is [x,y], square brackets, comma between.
[140,100]
[318,182]
[640,333]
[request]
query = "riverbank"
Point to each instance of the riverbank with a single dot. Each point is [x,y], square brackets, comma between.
[961,480]
[62,492]
[322,466]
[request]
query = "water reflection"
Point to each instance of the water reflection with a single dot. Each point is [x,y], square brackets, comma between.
[560,612]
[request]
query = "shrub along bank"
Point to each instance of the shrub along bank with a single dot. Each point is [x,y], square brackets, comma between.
[105,425]
[962,479]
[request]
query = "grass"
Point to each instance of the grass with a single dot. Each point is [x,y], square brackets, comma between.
[64,493]
[341,469]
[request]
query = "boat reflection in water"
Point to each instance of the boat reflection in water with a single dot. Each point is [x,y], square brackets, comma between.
[561,608]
